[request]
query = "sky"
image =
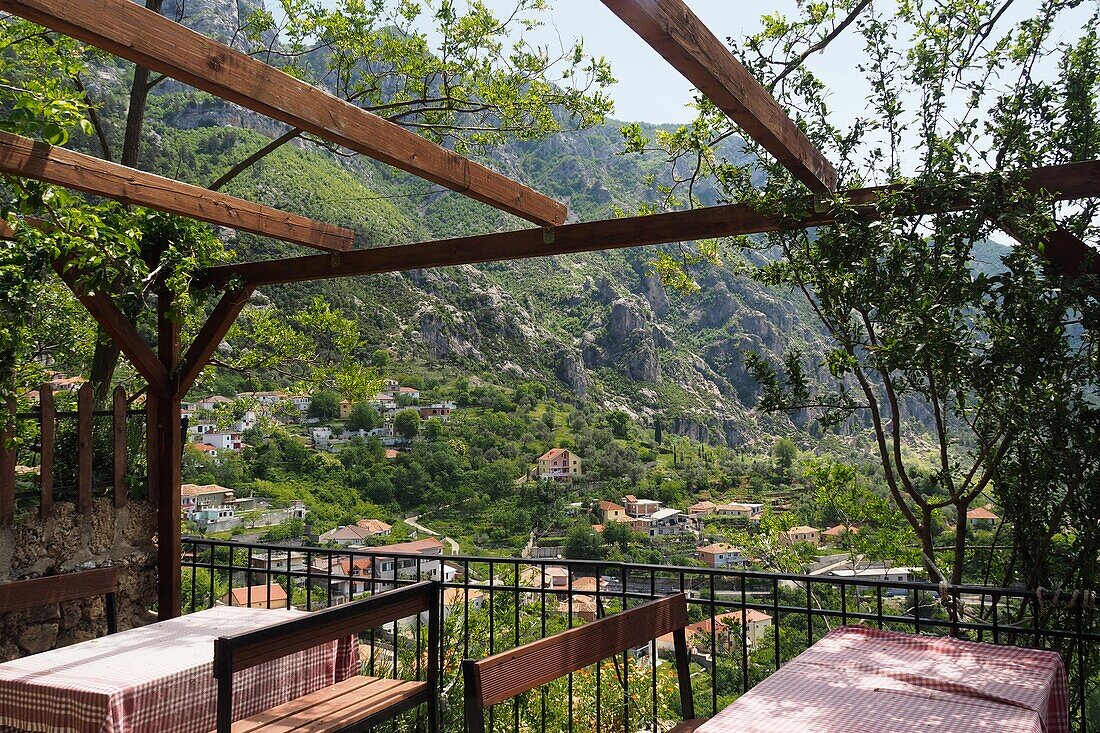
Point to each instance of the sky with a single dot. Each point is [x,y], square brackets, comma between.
[648,89]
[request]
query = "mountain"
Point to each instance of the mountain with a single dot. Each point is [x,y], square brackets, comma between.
[598,326]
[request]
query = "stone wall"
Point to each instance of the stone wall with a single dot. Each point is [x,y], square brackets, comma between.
[68,541]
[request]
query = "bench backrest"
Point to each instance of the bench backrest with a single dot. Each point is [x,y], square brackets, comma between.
[248,649]
[67,587]
[502,676]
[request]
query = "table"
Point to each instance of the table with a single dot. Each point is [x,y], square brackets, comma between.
[861,680]
[159,678]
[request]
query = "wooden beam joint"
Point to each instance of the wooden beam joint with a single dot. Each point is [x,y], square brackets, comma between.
[115,323]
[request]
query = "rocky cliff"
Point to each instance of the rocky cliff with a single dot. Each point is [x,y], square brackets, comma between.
[596,326]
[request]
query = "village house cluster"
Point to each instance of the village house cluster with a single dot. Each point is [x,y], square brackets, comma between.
[213,434]
[647,516]
[213,508]
[651,518]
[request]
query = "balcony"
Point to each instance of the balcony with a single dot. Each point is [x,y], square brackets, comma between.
[746,624]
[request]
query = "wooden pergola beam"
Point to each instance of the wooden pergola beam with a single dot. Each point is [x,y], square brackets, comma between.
[129,31]
[1064,249]
[676,33]
[1068,181]
[26,158]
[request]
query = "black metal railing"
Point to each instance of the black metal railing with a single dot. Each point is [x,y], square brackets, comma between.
[747,623]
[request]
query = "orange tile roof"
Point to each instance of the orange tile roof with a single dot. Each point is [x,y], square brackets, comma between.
[260,594]
[716,548]
[457,596]
[373,525]
[587,583]
[981,513]
[416,546]
[196,490]
[840,529]
[751,615]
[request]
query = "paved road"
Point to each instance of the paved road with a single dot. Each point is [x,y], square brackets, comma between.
[411,521]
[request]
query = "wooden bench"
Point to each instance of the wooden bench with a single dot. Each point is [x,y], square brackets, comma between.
[349,706]
[50,589]
[502,676]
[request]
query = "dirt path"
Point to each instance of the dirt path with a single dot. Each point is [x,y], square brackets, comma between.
[412,522]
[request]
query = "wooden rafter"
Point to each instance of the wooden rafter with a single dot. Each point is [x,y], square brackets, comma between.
[26,158]
[1069,181]
[129,31]
[676,33]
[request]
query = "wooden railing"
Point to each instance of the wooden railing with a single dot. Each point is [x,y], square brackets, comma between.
[90,459]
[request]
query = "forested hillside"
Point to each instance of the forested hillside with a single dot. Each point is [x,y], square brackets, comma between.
[595,326]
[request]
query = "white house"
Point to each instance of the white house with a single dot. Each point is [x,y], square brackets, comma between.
[721,555]
[222,441]
[214,518]
[386,568]
[195,496]
[805,534]
[209,403]
[982,518]
[904,574]
[667,522]
[737,509]
[757,624]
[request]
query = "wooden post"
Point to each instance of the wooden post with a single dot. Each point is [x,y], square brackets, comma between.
[7,466]
[47,430]
[119,452]
[167,446]
[84,408]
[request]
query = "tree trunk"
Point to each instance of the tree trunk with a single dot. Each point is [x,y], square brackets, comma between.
[959,559]
[105,358]
[135,115]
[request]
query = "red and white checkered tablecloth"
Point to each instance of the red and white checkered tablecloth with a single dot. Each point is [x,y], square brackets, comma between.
[861,680]
[159,678]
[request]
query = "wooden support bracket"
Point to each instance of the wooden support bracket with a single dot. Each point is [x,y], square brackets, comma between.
[208,338]
[119,328]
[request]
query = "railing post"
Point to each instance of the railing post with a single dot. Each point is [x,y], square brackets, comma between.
[84,423]
[118,428]
[7,464]
[47,431]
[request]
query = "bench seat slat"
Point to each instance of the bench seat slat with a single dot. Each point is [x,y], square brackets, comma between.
[332,708]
